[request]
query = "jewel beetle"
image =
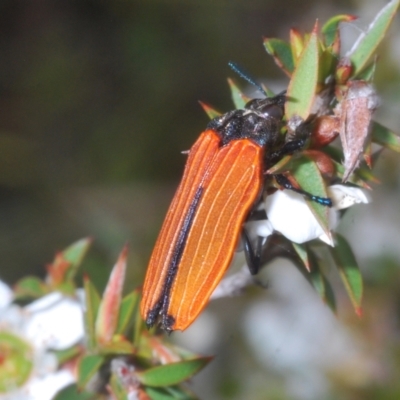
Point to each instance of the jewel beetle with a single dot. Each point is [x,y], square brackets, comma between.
[222,181]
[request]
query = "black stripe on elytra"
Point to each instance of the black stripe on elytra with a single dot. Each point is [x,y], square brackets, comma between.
[162,303]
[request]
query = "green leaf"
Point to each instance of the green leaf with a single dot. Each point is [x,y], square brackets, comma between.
[368,73]
[87,367]
[330,28]
[67,354]
[172,374]
[92,300]
[121,346]
[296,43]
[108,314]
[320,283]
[73,393]
[281,53]
[385,137]
[301,251]
[327,65]
[118,392]
[159,394]
[348,271]
[75,253]
[309,178]
[30,287]
[126,311]
[303,84]
[239,99]
[170,393]
[367,43]
[210,111]
[267,90]
[138,327]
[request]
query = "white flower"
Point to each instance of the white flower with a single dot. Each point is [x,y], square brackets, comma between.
[289,214]
[27,336]
[6,295]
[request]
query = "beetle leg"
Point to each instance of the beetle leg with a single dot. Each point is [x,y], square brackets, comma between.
[288,148]
[253,256]
[285,183]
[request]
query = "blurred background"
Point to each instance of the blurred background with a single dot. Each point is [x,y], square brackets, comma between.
[97,101]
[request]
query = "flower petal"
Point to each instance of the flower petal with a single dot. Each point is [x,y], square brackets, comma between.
[346,196]
[262,228]
[290,215]
[45,388]
[55,322]
[6,295]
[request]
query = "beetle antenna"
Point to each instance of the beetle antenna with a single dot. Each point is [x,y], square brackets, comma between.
[246,77]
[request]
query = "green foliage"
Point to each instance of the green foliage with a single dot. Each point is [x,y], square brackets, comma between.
[321,85]
[349,271]
[303,82]
[173,373]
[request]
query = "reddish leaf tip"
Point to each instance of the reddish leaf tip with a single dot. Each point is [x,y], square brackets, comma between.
[124,253]
[316,27]
[351,17]
[358,311]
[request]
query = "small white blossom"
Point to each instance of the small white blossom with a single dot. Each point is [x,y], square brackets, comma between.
[54,322]
[346,196]
[289,214]
[6,295]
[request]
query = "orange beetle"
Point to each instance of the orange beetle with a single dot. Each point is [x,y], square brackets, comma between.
[222,181]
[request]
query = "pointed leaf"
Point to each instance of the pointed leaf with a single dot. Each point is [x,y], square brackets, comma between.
[309,178]
[238,97]
[327,65]
[72,392]
[267,90]
[320,283]
[368,73]
[385,137]
[138,327]
[169,393]
[172,374]
[303,84]
[348,271]
[210,111]
[87,367]
[107,317]
[92,302]
[301,251]
[164,352]
[67,354]
[331,27]
[159,394]
[367,42]
[119,346]
[296,43]
[126,311]
[281,53]
[30,287]
[75,253]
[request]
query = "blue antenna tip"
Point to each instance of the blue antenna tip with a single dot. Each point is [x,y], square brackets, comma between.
[246,77]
